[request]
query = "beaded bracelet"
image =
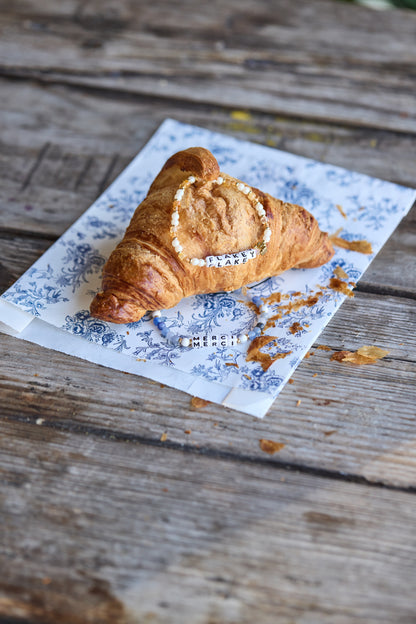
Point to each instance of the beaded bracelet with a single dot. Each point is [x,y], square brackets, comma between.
[211,340]
[224,260]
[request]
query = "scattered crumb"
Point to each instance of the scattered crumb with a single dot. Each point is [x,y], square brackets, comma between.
[215,424]
[247,376]
[270,447]
[165,490]
[187,431]
[164,437]
[40,421]
[341,210]
[298,402]
[128,333]
[232,364]
[315,375]
[274,298]
[255,355]
[244,290]
[340,286]
[295,328]
[362,246]
[35,374]
[324,348]
[291,381]
[140,359]
[331,432]
[339,272]
[198,403]
[361,208]
[46,580]
[363,355]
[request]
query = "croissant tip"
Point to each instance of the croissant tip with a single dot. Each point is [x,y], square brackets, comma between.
[107,307]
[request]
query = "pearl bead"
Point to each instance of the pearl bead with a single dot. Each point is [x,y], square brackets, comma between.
[185,342]
[157,313]
[219,180]
[179,194]
[243,338]
[240,186]
[191,179]
[246,190]
[201,262]
[194,261]
[175,242]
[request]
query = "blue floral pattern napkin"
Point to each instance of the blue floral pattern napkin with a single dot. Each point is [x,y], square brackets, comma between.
[58,288]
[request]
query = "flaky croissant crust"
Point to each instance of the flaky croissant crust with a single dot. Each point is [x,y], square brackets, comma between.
[145,273]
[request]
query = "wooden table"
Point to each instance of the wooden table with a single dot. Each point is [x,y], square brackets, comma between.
[101,521]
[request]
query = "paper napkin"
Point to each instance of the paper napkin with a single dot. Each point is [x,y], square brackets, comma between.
[49,304]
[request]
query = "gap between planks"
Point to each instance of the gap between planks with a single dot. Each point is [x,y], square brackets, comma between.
[119,436]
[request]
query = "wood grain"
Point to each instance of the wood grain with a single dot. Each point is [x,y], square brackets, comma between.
[369,410]
[321,63]
[100,532]
[122,502]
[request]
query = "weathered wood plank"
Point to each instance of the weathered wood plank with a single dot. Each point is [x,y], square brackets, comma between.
[356,420]
[346,70]
[98,531]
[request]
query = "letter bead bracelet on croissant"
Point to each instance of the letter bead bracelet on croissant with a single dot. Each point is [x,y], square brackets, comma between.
[211,340]
[229,259]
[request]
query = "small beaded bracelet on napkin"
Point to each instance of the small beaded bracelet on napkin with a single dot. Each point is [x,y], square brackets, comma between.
[232,259]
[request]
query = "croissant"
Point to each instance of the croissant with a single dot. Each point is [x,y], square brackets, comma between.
[201,231]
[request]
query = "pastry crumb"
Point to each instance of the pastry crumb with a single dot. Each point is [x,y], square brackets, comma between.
[298,402]
[363,355]
[198,403]
[164,437]
[340,273]
[232,364]
[295,328]
[340,286]
[271,447]
[361,246]
[40,421]
[291,381]
[187,431]
[323,348]
[341,210]
[315,375]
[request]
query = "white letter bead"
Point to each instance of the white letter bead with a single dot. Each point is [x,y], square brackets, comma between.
[179,194]
[252,253]
[210,261]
